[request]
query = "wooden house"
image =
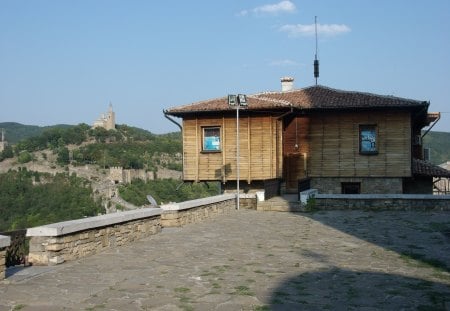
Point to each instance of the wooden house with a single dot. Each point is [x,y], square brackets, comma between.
[333,140]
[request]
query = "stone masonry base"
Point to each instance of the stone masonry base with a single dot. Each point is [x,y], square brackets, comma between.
[2,263]
[178,218]
[372,185]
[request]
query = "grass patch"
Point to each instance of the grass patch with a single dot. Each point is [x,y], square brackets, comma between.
[261,308]
[208,273]
[412,246]
[221,269]
[394,292]
[102,306]
[425,262]
[187,307]
[440,226]
[216,285]
[281,294]
[243,291]
[19,307]
[182,290]
[352,293]
[184,299]
[422,285]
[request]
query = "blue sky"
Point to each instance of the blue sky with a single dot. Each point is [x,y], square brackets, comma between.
[65,61]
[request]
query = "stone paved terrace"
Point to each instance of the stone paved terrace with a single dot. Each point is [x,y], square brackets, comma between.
[249,260]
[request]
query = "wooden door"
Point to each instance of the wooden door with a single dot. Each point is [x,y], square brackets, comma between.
[293,171]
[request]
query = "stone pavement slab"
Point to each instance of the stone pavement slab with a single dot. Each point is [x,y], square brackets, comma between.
[248,260]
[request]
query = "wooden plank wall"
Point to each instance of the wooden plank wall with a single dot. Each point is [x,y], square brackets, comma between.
[260,149]
[334,145]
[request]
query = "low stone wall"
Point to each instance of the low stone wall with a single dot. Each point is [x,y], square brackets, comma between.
[4,243]
[194,211]
[55,243]
[383,201]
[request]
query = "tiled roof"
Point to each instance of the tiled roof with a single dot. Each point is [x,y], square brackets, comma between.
[424,168]
[314,97]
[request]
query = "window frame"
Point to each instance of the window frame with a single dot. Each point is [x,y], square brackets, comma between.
[210,149]
[366,128]
[349,185]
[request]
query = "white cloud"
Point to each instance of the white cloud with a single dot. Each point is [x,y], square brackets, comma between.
[284,6]
[309,30]
[283,63]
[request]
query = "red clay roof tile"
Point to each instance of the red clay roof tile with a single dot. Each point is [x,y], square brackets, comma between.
[424,168]
[314,97]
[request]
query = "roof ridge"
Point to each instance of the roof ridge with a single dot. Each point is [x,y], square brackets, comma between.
[272,100]
[372,94]
[285,92]
[341,91]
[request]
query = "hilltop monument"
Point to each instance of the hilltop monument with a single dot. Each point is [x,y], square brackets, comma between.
[3,142]
[107,121]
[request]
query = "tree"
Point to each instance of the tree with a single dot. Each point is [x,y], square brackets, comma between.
[24,157]
[63,156]
[6,153]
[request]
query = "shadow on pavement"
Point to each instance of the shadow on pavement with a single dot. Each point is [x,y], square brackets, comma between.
[339,289]
[420,238]
[415,235]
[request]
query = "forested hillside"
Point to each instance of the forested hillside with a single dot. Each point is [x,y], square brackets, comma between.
[439,144]
[126,146]
[16,131]
[30,199]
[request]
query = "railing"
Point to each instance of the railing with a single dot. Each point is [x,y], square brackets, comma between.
[271,188]
[18,249]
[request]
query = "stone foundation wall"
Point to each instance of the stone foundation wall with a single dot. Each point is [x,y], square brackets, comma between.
[195,211]
[372,185]
[45,250]
[248,203]
[5,241]
[2,263]
[383,202]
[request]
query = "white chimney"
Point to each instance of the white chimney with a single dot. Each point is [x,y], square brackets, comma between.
[287,84]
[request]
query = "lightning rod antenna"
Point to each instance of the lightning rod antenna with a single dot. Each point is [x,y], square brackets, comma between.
[316,61]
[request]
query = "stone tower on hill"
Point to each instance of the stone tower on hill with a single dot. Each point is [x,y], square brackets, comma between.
[107,121]
[3,142]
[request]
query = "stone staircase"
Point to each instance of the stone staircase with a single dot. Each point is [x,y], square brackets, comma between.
[285,203]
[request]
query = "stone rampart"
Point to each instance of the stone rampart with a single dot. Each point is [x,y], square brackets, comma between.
[383,201]
[5,241]
[118,174]
[65,241]
[179,214]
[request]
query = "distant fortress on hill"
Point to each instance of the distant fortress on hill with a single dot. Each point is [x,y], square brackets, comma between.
[106,120]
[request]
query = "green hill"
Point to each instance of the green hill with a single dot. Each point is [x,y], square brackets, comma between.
[14,132]
[127,146]
[439,144]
